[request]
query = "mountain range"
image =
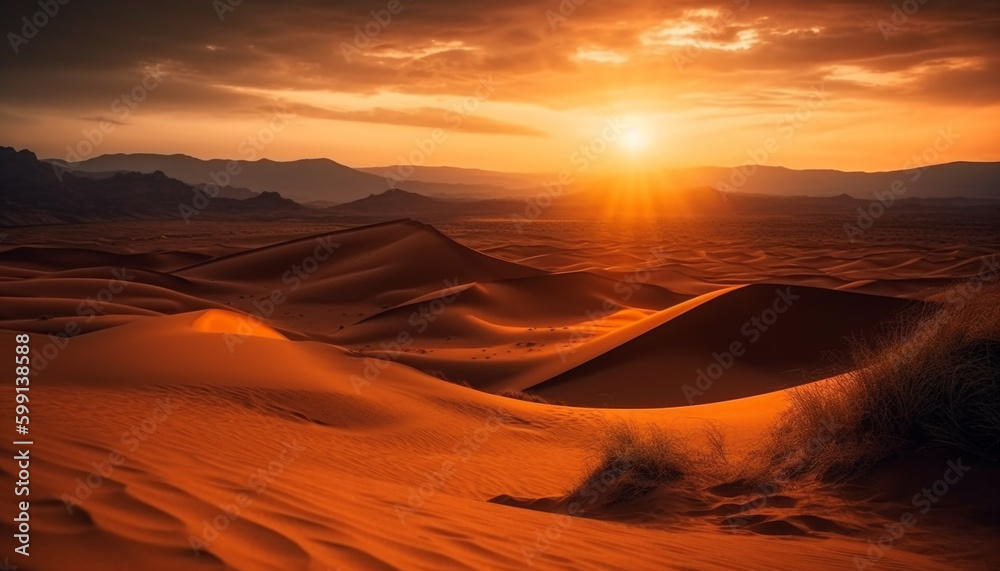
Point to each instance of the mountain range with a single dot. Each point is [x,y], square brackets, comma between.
[33,192]
[306,181]
[39,192]
[327,182]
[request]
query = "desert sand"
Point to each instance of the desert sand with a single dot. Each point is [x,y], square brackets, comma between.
[247,396]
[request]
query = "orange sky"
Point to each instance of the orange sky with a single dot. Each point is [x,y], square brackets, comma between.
[515,87]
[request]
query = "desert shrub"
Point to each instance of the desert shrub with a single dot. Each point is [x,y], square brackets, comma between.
[935,382]
[932,381]
[635,459]
[521,395]
[444,377]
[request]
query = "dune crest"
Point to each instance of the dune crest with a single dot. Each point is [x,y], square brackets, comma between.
[219,321]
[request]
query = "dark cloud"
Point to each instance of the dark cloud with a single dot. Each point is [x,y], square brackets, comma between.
[85,55]
[423,117]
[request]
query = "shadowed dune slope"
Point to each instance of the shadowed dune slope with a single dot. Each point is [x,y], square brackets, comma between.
[56,259]
[79,301]
[487,313]
[652,369]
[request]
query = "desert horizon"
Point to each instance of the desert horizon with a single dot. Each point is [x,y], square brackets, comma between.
[401,285]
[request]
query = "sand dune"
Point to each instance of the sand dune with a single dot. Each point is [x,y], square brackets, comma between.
[629,358]
[332,280]
[80,301]
[54,259]
[494,312]
[214,435]
[745,342]
[413,257]
[288,409]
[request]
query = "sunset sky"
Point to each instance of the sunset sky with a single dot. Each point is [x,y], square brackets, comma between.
[513,86]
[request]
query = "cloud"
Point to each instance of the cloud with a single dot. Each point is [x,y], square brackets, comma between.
[429,117]
[601,54]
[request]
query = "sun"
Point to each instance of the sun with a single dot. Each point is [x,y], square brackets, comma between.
[633,141]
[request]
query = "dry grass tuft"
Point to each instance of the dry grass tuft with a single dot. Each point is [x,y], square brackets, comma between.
[934,383]
[521,395]
[635,460]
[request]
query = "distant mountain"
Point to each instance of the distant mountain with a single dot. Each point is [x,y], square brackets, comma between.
[456,175]
[314,181]
[239,193]
[960,179]
[270,202]
[706,200]
[224,192]
[394,201]
[32,192]
[326,182]
[303,180]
